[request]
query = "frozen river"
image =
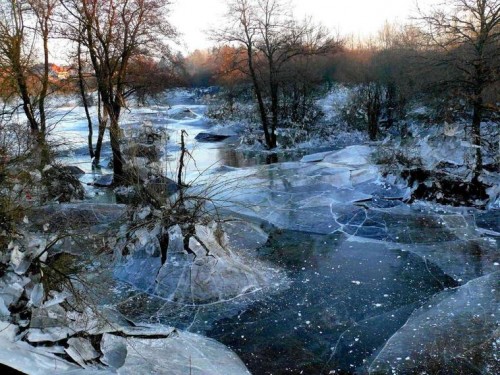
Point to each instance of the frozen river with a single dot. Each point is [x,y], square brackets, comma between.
[373,285]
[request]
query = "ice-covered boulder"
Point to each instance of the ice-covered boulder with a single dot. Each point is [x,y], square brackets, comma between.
[105,180]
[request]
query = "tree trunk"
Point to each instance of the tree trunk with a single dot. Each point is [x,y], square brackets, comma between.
[83,94]
[274,112]
[42,137]
[260,100]
[476,136]
[373,111]
[103,120]
[114,135]
[391,103]
[27,107]
[274,88]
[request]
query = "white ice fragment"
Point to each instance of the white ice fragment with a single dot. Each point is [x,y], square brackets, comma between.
[37,295]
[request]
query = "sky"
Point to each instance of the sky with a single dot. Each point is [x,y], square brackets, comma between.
[358,17]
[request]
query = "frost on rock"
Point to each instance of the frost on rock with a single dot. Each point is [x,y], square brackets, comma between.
[211,271]
[179,353]
[456,330]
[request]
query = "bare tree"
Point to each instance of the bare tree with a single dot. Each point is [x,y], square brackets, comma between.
[272,38]
[113,32]
[44,11]
[17,38]
[467,33]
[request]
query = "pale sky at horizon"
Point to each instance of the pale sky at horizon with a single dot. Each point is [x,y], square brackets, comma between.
[358,17]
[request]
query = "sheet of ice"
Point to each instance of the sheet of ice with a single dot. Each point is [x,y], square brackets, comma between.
[315,157]
[341,290]
[456,330]
[53,323]
[213,272]
[81,350]
[181,353]
[353,156]
[26,358]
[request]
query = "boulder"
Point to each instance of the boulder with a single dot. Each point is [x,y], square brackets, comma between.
[62,185]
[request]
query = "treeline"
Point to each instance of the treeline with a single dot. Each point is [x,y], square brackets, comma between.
[448,58]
